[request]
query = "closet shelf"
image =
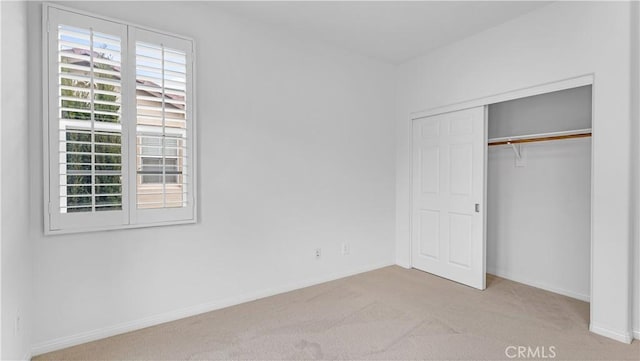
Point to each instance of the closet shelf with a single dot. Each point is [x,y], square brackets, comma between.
[542,137]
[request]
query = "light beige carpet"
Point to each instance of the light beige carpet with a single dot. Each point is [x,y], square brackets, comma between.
[390,313]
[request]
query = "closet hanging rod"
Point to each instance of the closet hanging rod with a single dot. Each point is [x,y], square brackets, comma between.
[571,134]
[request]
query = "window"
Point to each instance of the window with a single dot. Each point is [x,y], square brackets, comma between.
[119,125]
[152,161]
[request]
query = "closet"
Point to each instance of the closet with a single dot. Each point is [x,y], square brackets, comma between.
[504,187]
[539,191]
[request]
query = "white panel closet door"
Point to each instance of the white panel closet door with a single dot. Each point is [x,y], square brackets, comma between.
[448,227]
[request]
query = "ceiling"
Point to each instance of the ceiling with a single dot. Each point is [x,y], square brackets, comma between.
[390,31]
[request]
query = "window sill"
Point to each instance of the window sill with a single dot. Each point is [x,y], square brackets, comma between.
[54,232]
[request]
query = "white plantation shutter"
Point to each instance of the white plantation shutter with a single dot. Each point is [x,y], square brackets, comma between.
[120,127]
[86,151]
[164,127]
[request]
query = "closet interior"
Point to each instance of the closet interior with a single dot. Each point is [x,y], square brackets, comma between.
[539,191]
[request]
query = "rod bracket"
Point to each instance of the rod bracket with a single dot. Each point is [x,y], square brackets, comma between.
[516,150]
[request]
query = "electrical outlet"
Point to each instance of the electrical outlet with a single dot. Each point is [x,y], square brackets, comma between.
[345,249]
[318,253]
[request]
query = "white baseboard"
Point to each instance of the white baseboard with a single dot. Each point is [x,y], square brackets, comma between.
[27,356]
[625,337]
[636,334]
[406,265]
[83,337]
[517,278]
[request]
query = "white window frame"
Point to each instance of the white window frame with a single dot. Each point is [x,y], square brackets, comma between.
[130,216]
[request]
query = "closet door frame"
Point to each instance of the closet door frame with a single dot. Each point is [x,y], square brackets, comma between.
[565,84]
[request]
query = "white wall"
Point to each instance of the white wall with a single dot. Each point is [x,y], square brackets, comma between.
[1,316]
[296,152]
[538,216]
[556,42]
[16,245]
[635,163]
